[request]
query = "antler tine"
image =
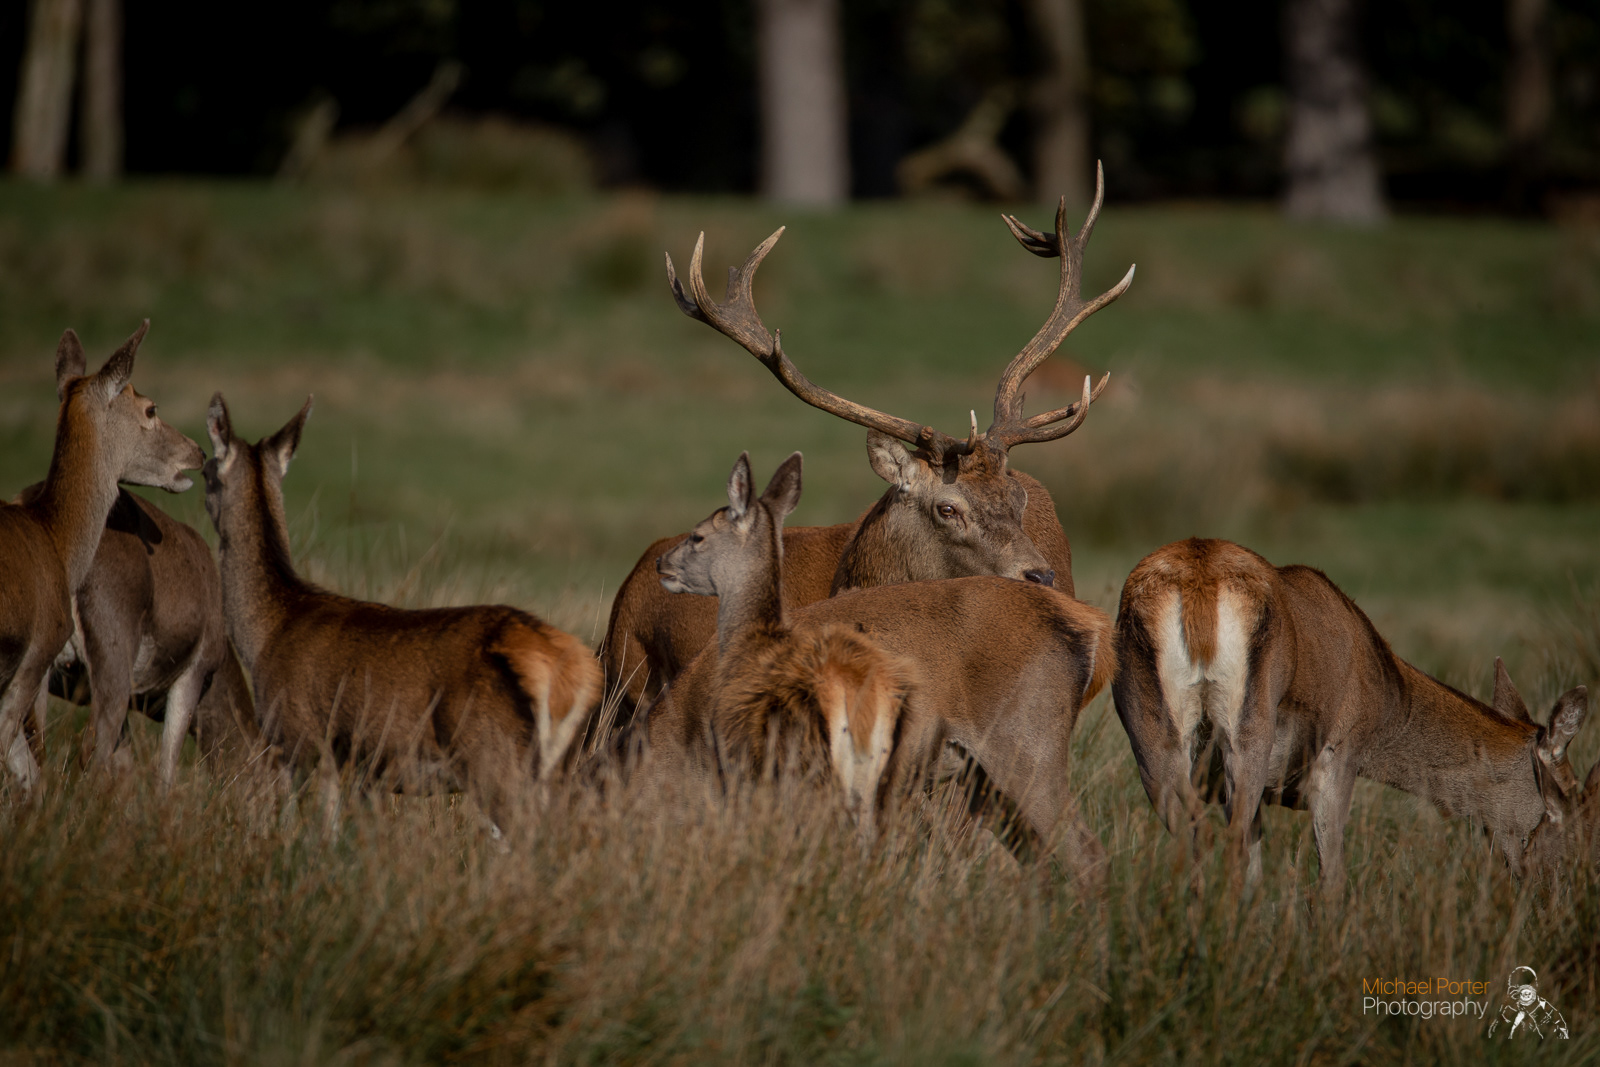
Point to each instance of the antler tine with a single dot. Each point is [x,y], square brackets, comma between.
[737,319]
[1009,426]
[1054,425]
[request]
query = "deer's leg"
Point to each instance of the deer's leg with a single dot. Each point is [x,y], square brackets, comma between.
[1332,781]
[108,661]
[1246,754]
[16,704]
[181,701]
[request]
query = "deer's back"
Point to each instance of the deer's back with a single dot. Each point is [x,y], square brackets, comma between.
[394,680]
[981,645]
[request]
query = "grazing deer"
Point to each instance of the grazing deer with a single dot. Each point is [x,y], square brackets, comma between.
[953,508]
[150,630]
[484,698]
[1301,695]
[105,433]
[994,668]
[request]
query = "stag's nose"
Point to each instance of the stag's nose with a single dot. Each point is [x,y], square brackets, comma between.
[1040,577]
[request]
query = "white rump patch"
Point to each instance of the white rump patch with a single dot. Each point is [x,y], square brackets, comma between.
[1214,690]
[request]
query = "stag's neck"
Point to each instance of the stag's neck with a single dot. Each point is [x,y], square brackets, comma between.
[76,498]
[880,552]
[260,589]
[751,607]
[1444,746]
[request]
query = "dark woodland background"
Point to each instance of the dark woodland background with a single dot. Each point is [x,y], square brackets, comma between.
[1186,97]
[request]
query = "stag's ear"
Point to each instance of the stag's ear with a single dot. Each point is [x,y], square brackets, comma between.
[281,446]
[1507,701]
[1565,719]
[119,368]
[219,427]
[890,460]
[69,362]
[741,490]
[783,492]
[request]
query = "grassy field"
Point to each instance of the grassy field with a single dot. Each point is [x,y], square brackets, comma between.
[509,407]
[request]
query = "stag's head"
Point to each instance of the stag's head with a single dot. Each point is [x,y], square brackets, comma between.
[1566,815]
[952,495]
[130,438]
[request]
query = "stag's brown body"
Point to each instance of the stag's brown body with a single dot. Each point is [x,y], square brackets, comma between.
[1300,695]
[151,632]
[484,698]
[105,433]
[998,668]
[954,507]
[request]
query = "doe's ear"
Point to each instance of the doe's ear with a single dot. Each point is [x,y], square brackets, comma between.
[1507,701]
[890,460]
[119,368]
[219,427]
[281,446]
[783,491]
[740,487]
[69,361]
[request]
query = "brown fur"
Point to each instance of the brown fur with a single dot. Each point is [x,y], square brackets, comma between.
[791,683]
[652,634]
[1007,694]
[105,433]
[151,625]
[483,698]
[1321,699]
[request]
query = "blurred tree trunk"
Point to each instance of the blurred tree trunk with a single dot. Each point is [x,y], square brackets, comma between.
[1527,97]
[44,95]
[1332,171]
[804,140]
[1059,100]
[102,91]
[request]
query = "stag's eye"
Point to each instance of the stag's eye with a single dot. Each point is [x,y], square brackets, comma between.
[947,511]
[697,538]
[150,412]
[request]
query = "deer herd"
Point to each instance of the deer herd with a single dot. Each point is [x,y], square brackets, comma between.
[937,633]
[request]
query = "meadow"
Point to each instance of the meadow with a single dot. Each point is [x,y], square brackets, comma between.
[509,407]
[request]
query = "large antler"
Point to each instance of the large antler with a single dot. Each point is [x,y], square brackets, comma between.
[1009,427]
[737,318]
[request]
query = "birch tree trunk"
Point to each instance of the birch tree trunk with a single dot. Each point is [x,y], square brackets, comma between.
[804,137]
[1332,171]
[44,93]
[101,127]
[1059,101]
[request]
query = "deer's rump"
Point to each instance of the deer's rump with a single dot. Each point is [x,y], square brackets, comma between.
[432,690]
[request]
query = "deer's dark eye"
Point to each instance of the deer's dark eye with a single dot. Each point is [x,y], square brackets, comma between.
[697,538]
[150,412]
[947,510]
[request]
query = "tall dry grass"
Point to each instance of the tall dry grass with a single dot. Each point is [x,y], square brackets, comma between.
[228,923]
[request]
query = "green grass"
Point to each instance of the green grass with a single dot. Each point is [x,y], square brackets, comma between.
[509,407]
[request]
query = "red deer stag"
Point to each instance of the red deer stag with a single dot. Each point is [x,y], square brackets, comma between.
[150,630]
[954,507]
[105,433]
[483,698]
[996,669]
[1301,695]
